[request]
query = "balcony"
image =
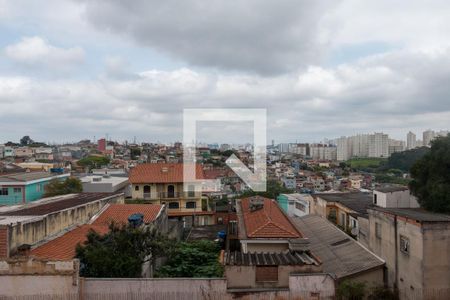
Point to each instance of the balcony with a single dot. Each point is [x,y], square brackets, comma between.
[172,195]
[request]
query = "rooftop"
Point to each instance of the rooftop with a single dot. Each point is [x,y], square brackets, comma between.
[418,214]
[340,254]
[119,213]
[208,232]
[63,247]
[161,173]
[269,259]
[26,176]
[392,188]
[44,207]
[266,222]
[358,202]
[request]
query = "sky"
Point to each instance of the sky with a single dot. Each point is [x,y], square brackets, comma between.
[71,70]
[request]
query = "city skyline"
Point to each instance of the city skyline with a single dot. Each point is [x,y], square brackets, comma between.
[319,74]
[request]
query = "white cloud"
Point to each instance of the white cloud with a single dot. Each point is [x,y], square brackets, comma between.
[37,52]
[386,92]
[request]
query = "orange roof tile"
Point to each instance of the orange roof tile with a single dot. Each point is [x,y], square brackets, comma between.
[161,173]
[267,222]
[63,247]
[119,213]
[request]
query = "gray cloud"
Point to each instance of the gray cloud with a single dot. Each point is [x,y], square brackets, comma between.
[258,36]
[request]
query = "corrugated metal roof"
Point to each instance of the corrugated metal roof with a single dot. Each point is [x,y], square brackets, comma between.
[236,258]
[340,255]
[418,214]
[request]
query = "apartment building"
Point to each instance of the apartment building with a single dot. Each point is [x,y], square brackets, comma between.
[378,145]
[411,142]
[415,245]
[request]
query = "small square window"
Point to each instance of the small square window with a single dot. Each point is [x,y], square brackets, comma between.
[136,188]
[17,190]
[4,192]
[404,244]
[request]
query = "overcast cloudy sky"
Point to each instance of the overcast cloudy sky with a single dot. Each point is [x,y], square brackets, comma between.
[323,68]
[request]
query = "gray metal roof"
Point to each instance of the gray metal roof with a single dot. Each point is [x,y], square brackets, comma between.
[358,202]
[418,214]
[340,254]
[391,188]
[26,176]
[269,259]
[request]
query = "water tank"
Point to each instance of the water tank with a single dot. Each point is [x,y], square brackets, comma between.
[136,220]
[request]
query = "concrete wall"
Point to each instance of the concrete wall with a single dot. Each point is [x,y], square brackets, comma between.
[55,277]
[312,286]
[40,228]
[249,246]
[240,277]
[397,199]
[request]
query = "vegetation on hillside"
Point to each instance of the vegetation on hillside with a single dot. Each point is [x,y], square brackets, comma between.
[405,160]
[274,188]
[93,162]
[431,177]
[68,186]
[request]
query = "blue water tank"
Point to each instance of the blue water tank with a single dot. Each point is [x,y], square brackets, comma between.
[221,234]
[136,220]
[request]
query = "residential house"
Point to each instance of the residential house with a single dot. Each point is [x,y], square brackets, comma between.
[34,222]
[343,209]
[25,187]
[295,204]
[104,184]
[63,247]
[163,183]
[24,152]
[416,247]
[394,197]
[263,226]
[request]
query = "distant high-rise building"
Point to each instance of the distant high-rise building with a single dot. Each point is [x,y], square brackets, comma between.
[396,146]
[411,141]
[378,145]
[343,149]
[428,136]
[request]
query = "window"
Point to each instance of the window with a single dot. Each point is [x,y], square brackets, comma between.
[269,273]
[404,244]
[375,199]
[38,188]
[191,204]
[136,188]
[17,190]
[170,191]
[4,192]
[378,230]
[174,205]
[300,206]
[191,192]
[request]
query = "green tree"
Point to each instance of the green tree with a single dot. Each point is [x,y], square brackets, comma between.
[274,188]
[431,177]
[93,162]
[406,159]
[26,140]
[351,290]
[384,293]
[121,252]
[193,259]
[69,186]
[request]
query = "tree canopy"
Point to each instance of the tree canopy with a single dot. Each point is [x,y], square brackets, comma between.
[273,189]
[431,177]
[121,252]
[69,186]
[193,259]
[92,162]
[406,159]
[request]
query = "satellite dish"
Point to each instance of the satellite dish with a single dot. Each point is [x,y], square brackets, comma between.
[354,231]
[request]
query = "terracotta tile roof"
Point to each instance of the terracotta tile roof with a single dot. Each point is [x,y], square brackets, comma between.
[119,213]
[63,247]
[268,221]
[161,173]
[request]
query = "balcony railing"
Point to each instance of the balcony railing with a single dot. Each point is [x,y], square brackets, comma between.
[174,195]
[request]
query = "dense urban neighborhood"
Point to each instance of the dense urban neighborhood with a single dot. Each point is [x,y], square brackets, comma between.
[330,224]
